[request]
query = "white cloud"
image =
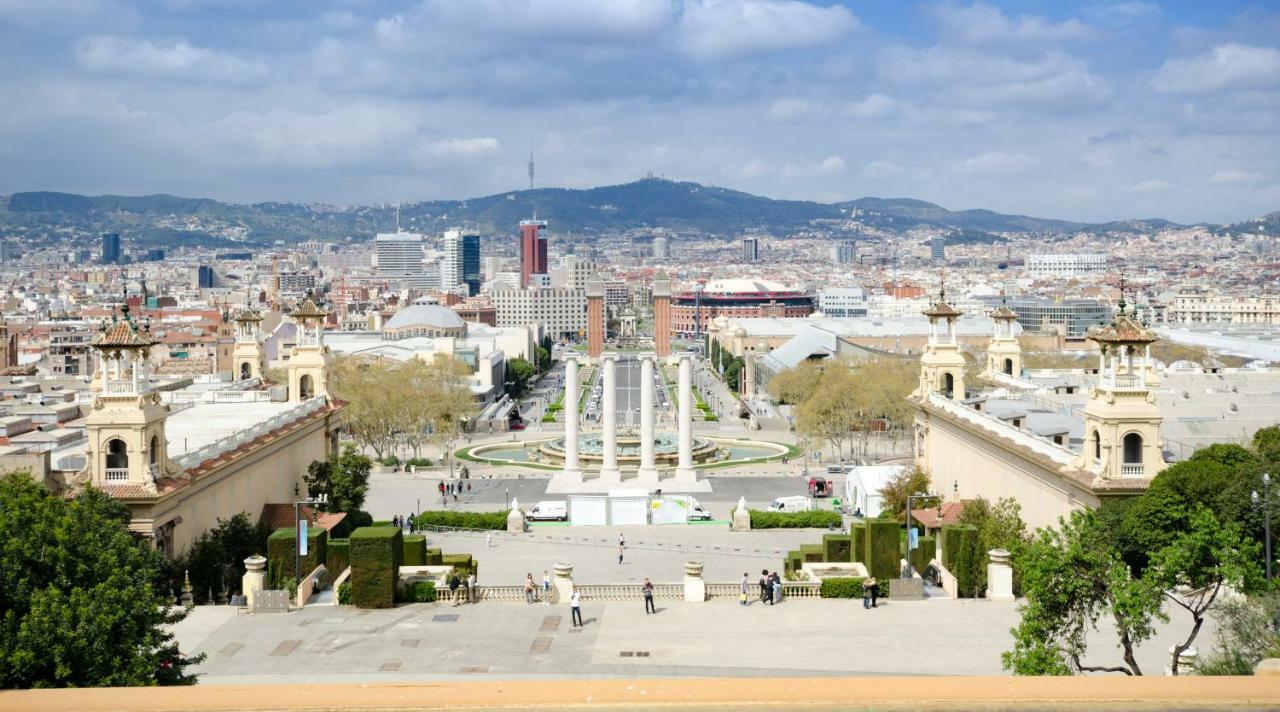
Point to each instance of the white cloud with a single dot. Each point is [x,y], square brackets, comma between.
[581,19]
[981,23]
[784,110]
[999,163]
[719,29]
[176,59]
[350,134]
[1119,14]
[1225,67]
[831,165]
[883,169]
[1235,177]
[872,106]
[1154,185]
[461,147]
[981,78]
[751,169]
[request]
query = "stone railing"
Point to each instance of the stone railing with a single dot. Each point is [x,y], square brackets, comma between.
[117,474]
[307,586]
[603,592]
[231,442]
[1132,470]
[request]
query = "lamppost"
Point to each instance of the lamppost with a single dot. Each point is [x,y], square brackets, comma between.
[910,497]
[1266,517]
[298,534]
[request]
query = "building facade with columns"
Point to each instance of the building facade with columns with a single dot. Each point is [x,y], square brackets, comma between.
[182,455]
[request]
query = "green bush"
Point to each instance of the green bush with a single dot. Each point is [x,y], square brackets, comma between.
[344,593]
[339,557]
[850,587]
[970,562]
[281,562]
[415,550]
[837,547]
[420,592]
[812,553]
[858,534]
[952,535]
[464,520]
[435,557]
[924,553]
[389,461]
[418,462]
[549,418]
[882,555]
[794,520]
[375,566]
[793,561]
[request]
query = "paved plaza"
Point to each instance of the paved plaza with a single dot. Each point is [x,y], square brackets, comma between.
[423,642]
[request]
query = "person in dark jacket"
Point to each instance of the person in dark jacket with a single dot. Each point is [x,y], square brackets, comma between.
[766,593]
[454,583]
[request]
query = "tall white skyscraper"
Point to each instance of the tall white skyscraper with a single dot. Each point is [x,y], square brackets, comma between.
[399,254]
[451,265]
[661,247]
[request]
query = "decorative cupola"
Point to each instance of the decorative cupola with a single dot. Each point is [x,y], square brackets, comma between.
[248,358]
[1122,422]
[1004,355]
[127,444]
[309,363]
[942,365]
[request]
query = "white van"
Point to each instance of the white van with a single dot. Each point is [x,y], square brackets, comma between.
[791,504]
[696,511]
[553,510]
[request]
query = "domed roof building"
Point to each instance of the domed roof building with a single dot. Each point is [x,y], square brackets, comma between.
[424,320]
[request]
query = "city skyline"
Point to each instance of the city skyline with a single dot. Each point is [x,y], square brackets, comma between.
[1092,111]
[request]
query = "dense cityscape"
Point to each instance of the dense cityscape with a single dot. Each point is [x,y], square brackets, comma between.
[265,445]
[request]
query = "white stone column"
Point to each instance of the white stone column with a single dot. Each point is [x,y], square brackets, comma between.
[999,576]
[572,472]
[609,473]
[648,471]
[684,467]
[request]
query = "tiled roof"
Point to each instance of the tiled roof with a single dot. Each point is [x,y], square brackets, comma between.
[128,491]
[308,310]
[941,308]
[1004,312]
[279,515]
[248,315]
[928,517]
[1123,330]
[123,334]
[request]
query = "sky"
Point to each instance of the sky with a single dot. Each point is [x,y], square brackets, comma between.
[1098,110]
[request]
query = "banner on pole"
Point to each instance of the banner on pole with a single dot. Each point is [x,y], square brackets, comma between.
[302,537]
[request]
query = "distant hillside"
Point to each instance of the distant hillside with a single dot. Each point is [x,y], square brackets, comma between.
[164,219]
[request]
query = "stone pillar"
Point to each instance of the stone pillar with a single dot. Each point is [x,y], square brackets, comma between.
[609,473]
[563,581]
[695,588]
[515,518]
[255,578]
[741,517]
[572,473]
[648,471]
[684,467]
[999,576]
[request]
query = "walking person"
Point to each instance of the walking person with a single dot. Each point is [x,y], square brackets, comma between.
[743,589]
[488,540]
[868,585]
[647,589]
[575,607]
[454,583]
[546,586]
[528,588]
[766,593]
[620,550]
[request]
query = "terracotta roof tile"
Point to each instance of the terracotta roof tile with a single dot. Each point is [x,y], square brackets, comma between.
[1123,330]
[308,310]
[942,309]
[928,517]
[123,334]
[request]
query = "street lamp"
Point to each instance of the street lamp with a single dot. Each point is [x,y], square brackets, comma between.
[297,530]
[1266,517]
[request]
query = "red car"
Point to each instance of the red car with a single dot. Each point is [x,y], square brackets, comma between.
[821,487]
[518,425]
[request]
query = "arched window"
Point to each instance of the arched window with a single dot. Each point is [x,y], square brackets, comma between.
[1097,446]
[153,456]
[305,386]
[1133,449]
[117,460]
[948,384]
[245,371]
[1008,366]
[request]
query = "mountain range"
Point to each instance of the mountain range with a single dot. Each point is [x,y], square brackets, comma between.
[652,202]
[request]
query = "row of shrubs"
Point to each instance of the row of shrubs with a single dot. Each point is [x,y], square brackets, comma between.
[761,519]
[393,461]
[464,520]
[874,542]
[850,587]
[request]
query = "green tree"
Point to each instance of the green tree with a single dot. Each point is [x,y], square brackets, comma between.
[343,478]
[543,358]
[913,480]
[1000,526]
[1247,633]
[733,372]
[519,371]
[796,385]
[215,561]
[79,605]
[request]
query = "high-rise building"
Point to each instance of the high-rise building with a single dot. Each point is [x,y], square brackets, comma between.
[1066,264]
[533,250]
[204,277]
[750,249]
[938,248]
[398,253]
[845,252]
[110,248]
[661,247]
[461,263]
[155,255]
[7,251]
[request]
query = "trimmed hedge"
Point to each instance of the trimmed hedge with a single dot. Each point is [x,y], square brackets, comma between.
[339,557]
[464,520]
[823,519]
[952,537]
[924,553]
[837,547]
[463,564]
[792,562]
[970,560]
[281,563]
[881,552]
[850,587]
[375,566]
[435,557]
[812,553]
[415,550]
[344,593]
[858,532]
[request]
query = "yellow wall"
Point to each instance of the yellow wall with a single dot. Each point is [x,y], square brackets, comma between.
[984,468]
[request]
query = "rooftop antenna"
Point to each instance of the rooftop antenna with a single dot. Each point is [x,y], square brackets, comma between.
[530,164]
[397,217]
